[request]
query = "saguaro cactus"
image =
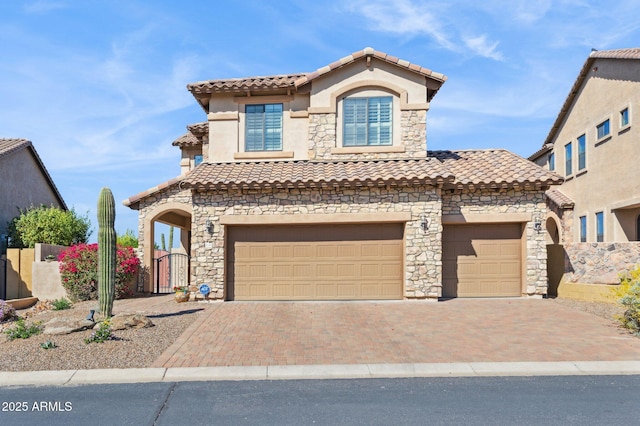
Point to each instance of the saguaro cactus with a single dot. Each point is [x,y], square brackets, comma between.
[106,251]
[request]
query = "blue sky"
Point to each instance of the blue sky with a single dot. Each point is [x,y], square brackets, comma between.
[99,87]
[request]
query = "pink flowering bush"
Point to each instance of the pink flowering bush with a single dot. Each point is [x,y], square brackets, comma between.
[79,271]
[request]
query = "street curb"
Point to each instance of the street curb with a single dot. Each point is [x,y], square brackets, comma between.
[309,372]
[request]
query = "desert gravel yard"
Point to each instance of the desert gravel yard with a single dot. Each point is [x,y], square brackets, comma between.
[132,348]
[138,348]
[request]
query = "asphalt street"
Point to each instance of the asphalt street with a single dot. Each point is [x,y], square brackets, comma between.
[550,400]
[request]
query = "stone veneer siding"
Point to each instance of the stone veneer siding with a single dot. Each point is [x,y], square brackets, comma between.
[413,136]
[599,263]
[510,201]
[423,262]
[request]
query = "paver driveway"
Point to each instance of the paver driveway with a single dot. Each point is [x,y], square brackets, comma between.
[461,330]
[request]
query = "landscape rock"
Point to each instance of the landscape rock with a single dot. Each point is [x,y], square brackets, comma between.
[125,321]
[66,325]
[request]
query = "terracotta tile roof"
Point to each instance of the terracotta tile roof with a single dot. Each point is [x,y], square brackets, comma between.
[194,135]
[483,168]
[559,199]
[312,174]
[370,52]
[296,80]
[188,139]
[633,53]
[244,84]
[10,145]
[494,168]
[135,199]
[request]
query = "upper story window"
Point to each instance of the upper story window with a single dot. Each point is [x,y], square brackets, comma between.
[552,161]
[197,159]
[582,152]
[568,166]
[263,127]
[603,129]
[624,117]
[599,227]
[367,121]
[583,229]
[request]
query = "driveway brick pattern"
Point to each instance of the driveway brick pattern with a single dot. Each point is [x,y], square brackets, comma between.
[459,330]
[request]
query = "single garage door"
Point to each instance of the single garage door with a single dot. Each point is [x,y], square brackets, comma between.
[482,260]
[315,262]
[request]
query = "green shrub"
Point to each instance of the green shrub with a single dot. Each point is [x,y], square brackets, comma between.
[102,334]
[61,304]
[629,296]
[49,225]
[6,311]
[48,345]
[128,239]
[23,331]
[79,271]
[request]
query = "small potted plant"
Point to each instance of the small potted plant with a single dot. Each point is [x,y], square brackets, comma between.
[181,294]
[49,258]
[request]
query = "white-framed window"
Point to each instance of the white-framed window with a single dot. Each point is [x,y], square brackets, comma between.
[624,118]
[367,121]
[603,129]
[263,128]
[568,159]
[582,152]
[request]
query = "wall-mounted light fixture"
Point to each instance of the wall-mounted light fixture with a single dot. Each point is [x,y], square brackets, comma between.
[424,224]
[537,226]
[209,226]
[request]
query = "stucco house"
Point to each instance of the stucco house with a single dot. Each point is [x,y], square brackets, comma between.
[319,186]
[594,216]
[25,181]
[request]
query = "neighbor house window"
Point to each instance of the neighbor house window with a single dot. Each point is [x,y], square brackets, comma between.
[582,152]
[263,130]
[552,161]
[197,159]
[624,117]
[599,227]
[603,129]
[567,159]
[583,229]
[367,121]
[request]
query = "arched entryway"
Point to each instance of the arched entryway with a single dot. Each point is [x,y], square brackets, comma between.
[555,255]
[173,214]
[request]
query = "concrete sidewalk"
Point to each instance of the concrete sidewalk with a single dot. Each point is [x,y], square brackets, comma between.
[298,372]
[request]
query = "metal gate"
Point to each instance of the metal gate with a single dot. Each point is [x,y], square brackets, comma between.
[3,279]
[171,270]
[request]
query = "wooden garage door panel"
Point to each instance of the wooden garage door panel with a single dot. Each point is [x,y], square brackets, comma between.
[315,262]
[482,260]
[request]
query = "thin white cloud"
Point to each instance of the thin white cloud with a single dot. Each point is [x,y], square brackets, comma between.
[437,21]
[482,47]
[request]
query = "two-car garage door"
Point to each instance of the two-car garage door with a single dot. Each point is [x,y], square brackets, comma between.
[315,262]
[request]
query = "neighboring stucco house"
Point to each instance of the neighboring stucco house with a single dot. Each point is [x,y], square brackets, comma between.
[25,181]
[319,186]
[595,144]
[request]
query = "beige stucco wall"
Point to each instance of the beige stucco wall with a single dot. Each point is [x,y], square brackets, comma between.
[227,125]
[312,117]
[23,186]
[611,179]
